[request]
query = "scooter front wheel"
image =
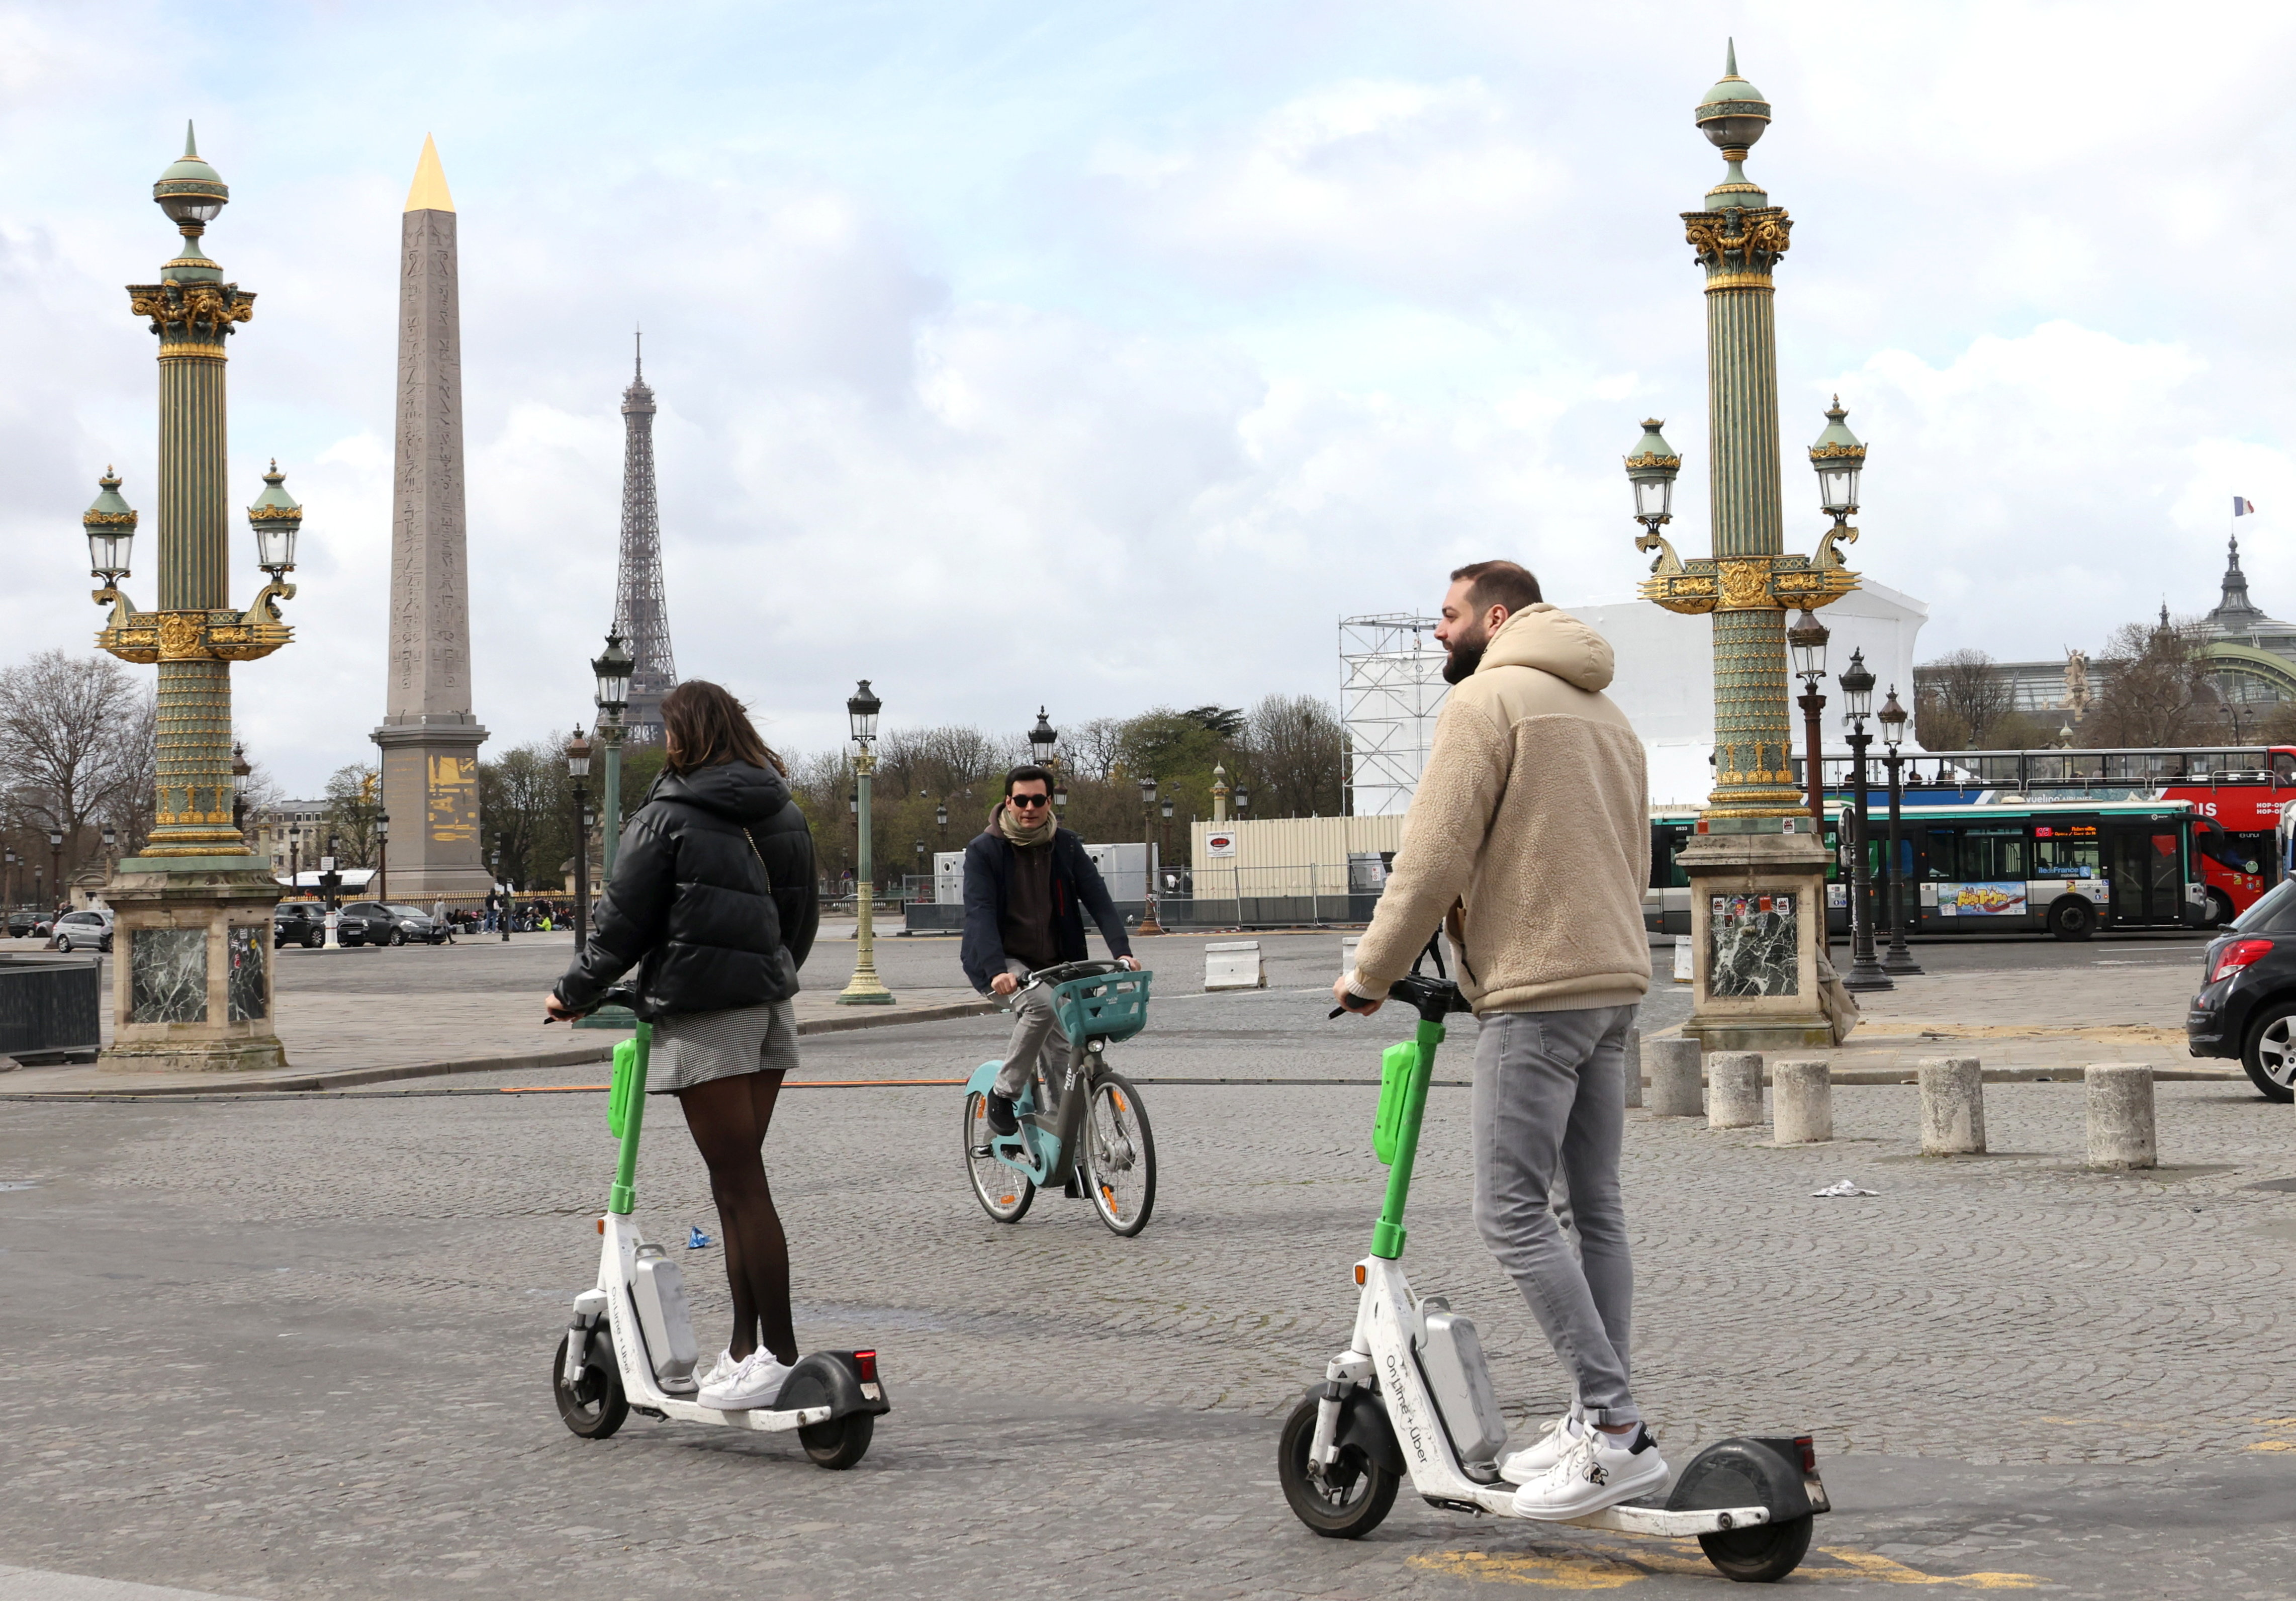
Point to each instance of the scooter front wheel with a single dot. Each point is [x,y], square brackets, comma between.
[1355,1494]
[1762,1554]
[594,1405]
[1120,1154]
[1004,1192]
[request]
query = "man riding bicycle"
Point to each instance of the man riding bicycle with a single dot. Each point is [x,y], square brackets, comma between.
[1026,878]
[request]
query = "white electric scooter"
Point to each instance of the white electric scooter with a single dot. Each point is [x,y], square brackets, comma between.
[631,1348]
[1412,1392]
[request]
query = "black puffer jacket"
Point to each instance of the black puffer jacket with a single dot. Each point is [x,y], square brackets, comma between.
[713,898]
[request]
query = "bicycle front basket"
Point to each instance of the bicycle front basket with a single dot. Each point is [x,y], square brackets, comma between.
[1110,1006]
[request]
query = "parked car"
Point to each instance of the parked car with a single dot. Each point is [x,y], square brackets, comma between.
[302,923]
[85,930]
[374,923]
[25,921]
[2246,1006]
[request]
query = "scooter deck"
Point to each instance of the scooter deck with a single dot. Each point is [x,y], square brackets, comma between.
[1634,1520]
[760,1420]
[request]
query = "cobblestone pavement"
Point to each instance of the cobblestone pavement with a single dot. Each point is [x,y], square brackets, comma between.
[297,1348]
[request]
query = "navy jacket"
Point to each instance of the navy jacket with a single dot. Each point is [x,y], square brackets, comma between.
[713,898]
[1076,884]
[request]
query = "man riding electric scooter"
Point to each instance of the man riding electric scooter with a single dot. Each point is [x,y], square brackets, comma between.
[1528,838]
[1025,877]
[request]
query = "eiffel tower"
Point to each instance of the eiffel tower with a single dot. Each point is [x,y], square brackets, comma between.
[639,615]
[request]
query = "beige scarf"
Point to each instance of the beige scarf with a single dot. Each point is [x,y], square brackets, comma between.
[1008,824]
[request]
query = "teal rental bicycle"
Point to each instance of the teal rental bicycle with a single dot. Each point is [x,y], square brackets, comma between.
[1083,1128]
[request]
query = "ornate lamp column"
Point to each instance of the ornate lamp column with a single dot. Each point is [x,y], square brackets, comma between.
[1899,962]
[1857,828]
[1757,867]
[192,988]
[864,988]
[1148,923]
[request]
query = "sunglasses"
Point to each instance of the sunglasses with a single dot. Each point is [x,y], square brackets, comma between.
[1026,801]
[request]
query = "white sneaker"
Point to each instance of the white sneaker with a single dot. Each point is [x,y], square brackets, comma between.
[719,1371]
[1594,1471]
[1521,1467]
[754,1383]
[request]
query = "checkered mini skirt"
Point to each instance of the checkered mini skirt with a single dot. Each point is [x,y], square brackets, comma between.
[695,1047]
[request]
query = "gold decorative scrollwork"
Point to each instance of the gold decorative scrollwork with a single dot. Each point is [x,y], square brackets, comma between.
[1829,555]
[180,636]
[1739,239]
[191,305]
[1745,585]
[1665,561]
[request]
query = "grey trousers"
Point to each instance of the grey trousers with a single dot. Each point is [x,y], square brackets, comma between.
[1550,1093]
[1034,1021]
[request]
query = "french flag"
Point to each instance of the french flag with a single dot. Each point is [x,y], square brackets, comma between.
[2243,508]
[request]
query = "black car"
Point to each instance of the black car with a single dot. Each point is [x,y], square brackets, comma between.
[373,922]
[2247,1004]
[302,923]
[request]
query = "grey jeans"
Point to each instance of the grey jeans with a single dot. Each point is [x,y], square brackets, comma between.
[1034,1023]
[1550,1093]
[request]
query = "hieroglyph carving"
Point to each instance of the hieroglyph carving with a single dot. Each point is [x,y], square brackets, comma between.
[429,616]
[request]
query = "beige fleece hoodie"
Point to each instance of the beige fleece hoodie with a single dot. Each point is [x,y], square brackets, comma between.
[1532,817]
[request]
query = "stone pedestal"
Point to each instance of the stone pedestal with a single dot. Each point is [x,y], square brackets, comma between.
[192,965]
[431,789]
[1757,925]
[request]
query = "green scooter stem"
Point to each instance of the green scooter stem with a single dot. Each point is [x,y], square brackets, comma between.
[623,1197]
[1387,1234]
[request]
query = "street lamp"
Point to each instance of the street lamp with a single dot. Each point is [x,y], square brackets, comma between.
[294,856]
[1899,960]
[56,863]
[1148,923]
[110,838]
[578,768]
[240,772]
[1806,641]
[1242,799]
[1042,738]
[381,890]
[940,818]
[921,876]
[1856,706]
[1060,791]
[864,988]
[1758,930]
[612,668]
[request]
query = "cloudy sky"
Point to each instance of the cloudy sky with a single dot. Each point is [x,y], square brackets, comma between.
[1107,355]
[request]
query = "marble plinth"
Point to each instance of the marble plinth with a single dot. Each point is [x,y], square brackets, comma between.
[191,970]
[1757,925]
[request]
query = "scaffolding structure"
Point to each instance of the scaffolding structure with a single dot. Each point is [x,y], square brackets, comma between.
[1390,689]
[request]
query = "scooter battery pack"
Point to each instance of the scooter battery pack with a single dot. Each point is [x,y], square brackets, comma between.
[1452,1358]
[659,1293]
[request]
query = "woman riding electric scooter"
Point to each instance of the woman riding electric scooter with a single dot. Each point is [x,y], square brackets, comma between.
[713,901]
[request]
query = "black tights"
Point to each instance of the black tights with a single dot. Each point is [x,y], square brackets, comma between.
[728,1118]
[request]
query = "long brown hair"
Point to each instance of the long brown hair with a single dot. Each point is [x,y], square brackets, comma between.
[704,727]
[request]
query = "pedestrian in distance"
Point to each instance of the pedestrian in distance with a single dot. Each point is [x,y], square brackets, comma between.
[1528,840]
[1025,879]
[438,915]
[712,902]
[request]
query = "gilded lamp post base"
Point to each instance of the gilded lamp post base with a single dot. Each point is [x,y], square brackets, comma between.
[192,965]
[1757,927]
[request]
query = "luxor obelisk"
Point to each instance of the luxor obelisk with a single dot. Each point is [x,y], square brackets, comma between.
[428,736]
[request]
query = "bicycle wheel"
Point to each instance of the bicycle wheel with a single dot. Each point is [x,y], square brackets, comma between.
[1004,1192]
[1119,1154]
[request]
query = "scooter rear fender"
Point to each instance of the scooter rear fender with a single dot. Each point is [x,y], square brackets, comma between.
[831,1379]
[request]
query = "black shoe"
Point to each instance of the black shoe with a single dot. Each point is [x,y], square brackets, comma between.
[1002,1120]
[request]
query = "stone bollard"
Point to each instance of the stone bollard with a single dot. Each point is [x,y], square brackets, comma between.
[1733,1080]
[1674,1087]
[1634,1067]
[2120,1115]
[1952,1105]
[1801,1101]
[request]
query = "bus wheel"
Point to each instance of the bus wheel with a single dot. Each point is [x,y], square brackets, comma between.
[2072,918]
[2219,910]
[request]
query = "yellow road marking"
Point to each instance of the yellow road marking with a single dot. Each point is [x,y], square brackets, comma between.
[2272,1445]
[1581,1569]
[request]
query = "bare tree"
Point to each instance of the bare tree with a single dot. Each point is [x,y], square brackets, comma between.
[1961,700]
[1296,753]
[69,738]
[1094,750]
[2158,690]
[353,801]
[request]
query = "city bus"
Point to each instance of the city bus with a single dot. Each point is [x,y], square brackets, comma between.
[2063,867]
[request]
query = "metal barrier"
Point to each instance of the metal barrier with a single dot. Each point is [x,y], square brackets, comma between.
[50,1007]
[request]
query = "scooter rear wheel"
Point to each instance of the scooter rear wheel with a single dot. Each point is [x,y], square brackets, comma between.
[842,1441]
[1762,1554]
[1004,1192]
[595,1407]
[1355,1494]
